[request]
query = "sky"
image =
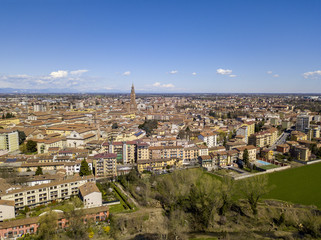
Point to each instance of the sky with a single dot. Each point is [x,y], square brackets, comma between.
[199,46]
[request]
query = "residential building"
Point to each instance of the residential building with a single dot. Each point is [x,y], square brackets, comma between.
[90,195]
[9,140]
[302,122]
[45,193]
[210,138]
[7,210]
[105,165]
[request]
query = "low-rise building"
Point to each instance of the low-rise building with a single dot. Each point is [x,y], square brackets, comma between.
[7,210]
[90,195]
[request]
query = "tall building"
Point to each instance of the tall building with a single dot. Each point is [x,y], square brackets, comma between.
[302,122]
[133,105]
[9,140]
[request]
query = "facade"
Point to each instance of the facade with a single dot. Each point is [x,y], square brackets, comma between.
[251,150]
[264,138]
[45,193]
[90,195]
[302,122]
[18,227]
[160,152]
[7,210]
[9,140]
[105,165]
[158,164]
[243,131]
[302,153]
[142,151]
[210,138]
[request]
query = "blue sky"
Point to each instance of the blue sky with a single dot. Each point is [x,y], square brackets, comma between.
[161,46]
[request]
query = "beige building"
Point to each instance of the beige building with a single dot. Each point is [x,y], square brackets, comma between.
[45,193]
[90,195]
[7,210]
[142,151]
[43,145]
[251,150]
[105,165]
[264,138]
[9,140]
[158,164]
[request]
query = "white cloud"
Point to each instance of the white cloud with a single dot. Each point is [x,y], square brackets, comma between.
[156,84]
[78,72]
[173,72]
[127,73]
[232,75]
[276,75]
[59,74]
[194,73]
[313,75]
[159,85]
[169,85]
[223,71]
[269,72]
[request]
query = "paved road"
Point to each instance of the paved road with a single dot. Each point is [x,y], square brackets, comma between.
[281,140]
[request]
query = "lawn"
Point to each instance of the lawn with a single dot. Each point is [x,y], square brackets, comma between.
[267,167]
[297,185]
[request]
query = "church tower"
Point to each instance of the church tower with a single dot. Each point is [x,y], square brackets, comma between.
[133,106]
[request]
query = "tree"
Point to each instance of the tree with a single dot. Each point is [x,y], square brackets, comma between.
[84,168]
[246,158]
[47,225]
[39,171]
[77,229]
[31,146]
[114,126]
[253,188]
[22,136]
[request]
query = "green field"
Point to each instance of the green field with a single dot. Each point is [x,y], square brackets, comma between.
[297,185]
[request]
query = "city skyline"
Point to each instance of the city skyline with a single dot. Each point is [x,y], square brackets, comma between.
[161,47]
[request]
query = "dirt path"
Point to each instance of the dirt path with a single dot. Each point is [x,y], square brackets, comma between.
[129,196]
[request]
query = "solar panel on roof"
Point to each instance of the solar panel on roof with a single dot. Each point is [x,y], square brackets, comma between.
[10,160]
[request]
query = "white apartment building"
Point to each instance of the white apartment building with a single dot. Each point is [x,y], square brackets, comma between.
[210,138]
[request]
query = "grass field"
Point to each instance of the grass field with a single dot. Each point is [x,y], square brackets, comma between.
[297,185]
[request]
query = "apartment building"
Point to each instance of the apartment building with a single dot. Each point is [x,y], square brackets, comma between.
[158,164]
[45,193]
[160,152]
[264,138]
[142,151]
[105,165]
[9,140]
[303,122]
[210,138]
[250,149]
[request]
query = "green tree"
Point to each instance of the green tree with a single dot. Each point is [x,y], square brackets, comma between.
[31,146]
[39,171]
[84,168]
[114,126]
[22,136]
[77,229]
[47,226]
[253,188]
[246,159]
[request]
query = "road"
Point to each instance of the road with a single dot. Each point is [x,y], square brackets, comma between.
[280,140]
